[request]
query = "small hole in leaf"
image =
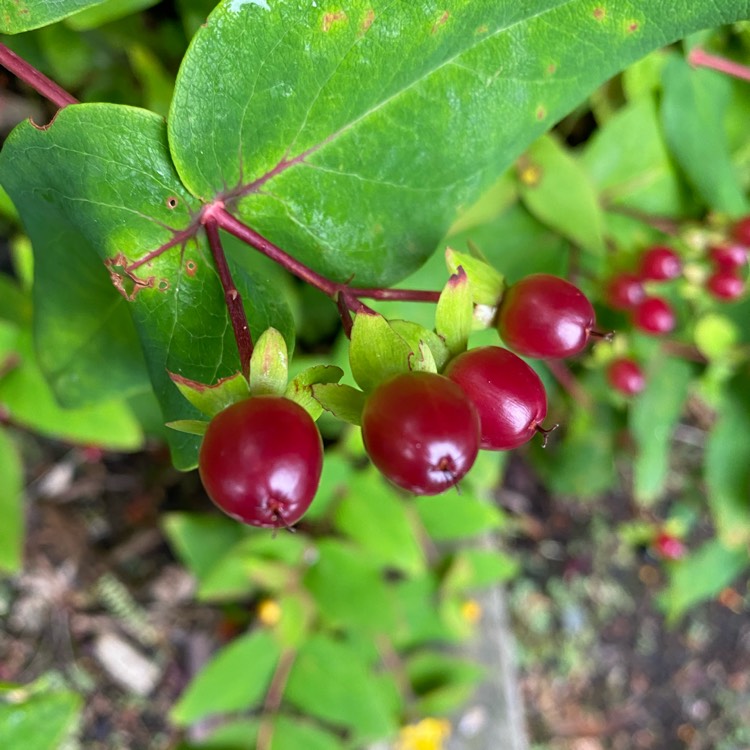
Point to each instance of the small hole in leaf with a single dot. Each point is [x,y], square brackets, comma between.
[172,202]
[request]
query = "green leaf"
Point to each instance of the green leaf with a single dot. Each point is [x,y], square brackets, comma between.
[727,468]
[348,588]
[487,284]
[560,193]
[190,426]
[374,516]
[269,365]
[317,129]
[24,15]
[457,516]
[693,111]
[430,353]
[701,576]
[302,388]
[106,12]
[210,399]
[330,681]
[11,506]
[200,540]
[475,568]
[15,305]
[418,609]
[442,682]
[454,313]
[343,401]
[376,351]
[631,166]
[29,401]
[289,733]
[43,721]
[176,298]
[235,679]
[653,416]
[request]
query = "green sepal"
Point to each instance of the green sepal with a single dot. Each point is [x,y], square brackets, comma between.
[377,352]
[454,313]
[190,426]
[269,365]
[211,399]
[343,401]
[429,352]
[487,283]
[300,389]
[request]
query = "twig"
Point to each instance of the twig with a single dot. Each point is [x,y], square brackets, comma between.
[38,81]
[274,697]
[232,297]
[699,58]
[661,223]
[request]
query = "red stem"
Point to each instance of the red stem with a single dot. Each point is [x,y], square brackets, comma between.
[38,81]
[702,59]
[232,297]
[330,288]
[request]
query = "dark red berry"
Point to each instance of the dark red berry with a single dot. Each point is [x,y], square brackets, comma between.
[660,263]
[260,461]
[654,315]
[624,291]
[669,547]
[741,231]
[725,285]
[421,431]
[625,375]
[545,316]
[507,393]
[728,257]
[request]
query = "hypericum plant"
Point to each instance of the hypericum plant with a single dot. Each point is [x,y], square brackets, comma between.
[341,143]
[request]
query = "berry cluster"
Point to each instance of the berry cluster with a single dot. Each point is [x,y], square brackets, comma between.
[626,291]
[728,261]
[261,457]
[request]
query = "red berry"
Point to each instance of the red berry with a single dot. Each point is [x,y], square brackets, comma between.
[625,375]
[507,393]
[660,264]
[728,257]
[624,291]
[725,285]
[669,547]
[741,231]
[654,315]
[545,316]
[260,461]
[421,431]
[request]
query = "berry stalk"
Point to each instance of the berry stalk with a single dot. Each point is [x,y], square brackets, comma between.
[232,297]
[699,58]
[38,81]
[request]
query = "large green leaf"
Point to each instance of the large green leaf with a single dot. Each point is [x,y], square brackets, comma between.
[24,15]
[693,111]
[98,185]
[42,721]
[352,133]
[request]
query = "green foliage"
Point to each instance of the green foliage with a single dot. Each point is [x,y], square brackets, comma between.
[11,505]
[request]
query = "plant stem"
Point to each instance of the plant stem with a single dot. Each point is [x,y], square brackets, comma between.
[564,377]
[38,81]
[274,697]
[178,238]
[330,288]
[661,223]
[699,58]
[232,297]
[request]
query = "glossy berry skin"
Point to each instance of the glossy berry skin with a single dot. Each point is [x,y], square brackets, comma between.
[624,291]
[507,393]
[728,257]
[260,461]
[654,315]
[660,263]
[725,285]
[625,375]
[545,316]
[741,231]
[421,431]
